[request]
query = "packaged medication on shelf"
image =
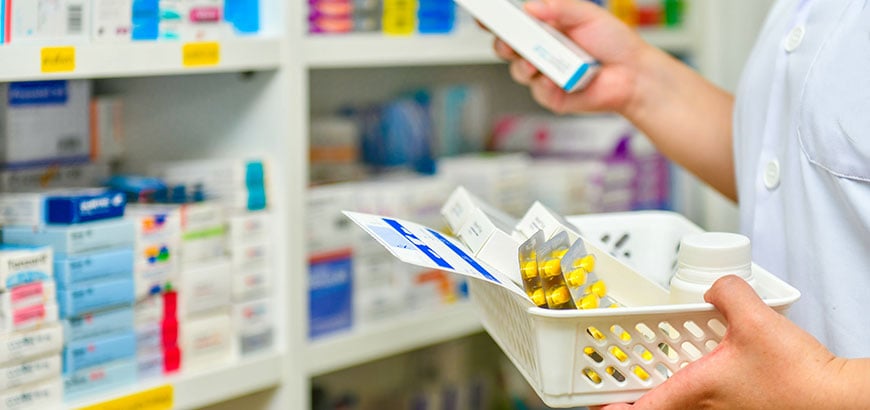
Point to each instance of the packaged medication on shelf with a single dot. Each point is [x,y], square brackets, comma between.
[206,341]
[556,56]
[50,21]
[107,118]
[79,355]
[72,239]
[214,174]
[205,287]
[540,217]
[249,227]
[251,256]
[60,207]
[98,324]
[244,15]
[20,346]
[491,243]
[2,21]
[42,395]
[101,265]
[251,284]
[28,317]
[34,293]
[91,297]
[26,138]
[20,265]
[40,176]
[30,371]
[150,365]
[99,378]
[112,21]
[254,323]
[528,263]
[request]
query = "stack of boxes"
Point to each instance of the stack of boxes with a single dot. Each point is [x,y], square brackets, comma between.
[392,17]
[93,267]
[30,337]
[237,191]
[156,246]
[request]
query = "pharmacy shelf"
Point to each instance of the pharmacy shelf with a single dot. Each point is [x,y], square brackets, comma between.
[416,330]
[193,390]
[136,59]
[466,46]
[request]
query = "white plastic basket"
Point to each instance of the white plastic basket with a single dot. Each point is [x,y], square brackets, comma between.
[551,348]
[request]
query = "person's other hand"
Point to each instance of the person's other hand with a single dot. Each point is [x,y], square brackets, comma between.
[617,48]
[763,362]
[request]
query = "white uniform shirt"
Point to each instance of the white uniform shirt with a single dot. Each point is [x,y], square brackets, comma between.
[802,152]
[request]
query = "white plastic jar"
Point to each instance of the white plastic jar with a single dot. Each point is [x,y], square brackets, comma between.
[703,258]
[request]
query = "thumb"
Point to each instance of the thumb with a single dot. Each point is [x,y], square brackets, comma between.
[734,298]
[565,13]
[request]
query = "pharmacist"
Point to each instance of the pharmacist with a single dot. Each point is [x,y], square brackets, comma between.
[794,148]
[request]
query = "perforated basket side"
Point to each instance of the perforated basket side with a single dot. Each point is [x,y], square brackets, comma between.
[504,317]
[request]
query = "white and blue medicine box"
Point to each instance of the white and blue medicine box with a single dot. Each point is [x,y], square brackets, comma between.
[100,378]
[330,294]
[25,296]
[81,299]
[20,346]
[98,324]
[29,371]
[20,265]
[103,265]
[61,207]
[79,355]
[74,239]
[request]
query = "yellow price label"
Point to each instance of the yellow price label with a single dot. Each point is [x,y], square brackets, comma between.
[158,398]
[58,59]
[200,54]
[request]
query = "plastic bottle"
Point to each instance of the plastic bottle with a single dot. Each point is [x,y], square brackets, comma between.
[703,258]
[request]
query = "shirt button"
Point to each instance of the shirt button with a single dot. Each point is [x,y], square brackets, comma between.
[794,39]
[771,175]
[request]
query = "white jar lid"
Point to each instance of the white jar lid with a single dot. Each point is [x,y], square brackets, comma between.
[715,251]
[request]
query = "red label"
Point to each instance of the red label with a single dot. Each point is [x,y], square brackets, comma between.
[205,14]
[26,291]
[28,314]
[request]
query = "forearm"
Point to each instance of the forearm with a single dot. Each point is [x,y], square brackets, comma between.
[686,117]
[848,386]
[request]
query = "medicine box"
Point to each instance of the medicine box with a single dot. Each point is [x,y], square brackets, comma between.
[155,223]
[205,287]
[81,299]
[30,371]
[24,296]
[50,176]
[73,239]
[42,395]
[99,378]
[78,355]
[112,21]
[20,265]
[101,265]
[50,21]
[251,284]
[555,55]
[494,244]
[330,293]
[541,218]
[214,174]
[26,138]
[252,255]
[206,341]
[249,227]
[60,207]
[98,324]
[20,346]
[500,180]
[28,317]
[150,364]
[2,21]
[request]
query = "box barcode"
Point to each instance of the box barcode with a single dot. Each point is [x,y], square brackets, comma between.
[74,22]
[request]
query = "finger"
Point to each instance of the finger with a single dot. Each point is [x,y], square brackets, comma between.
[565,13]
[549,95]
[522,71]
[616,406]
[504,51]
[734,298]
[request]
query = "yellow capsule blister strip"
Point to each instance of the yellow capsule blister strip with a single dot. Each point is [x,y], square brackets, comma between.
[528,261]
[587,290]
[550,270]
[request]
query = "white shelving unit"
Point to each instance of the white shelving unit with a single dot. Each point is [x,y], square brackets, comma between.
[216,112]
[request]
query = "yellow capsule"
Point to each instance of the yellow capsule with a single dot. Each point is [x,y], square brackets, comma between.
[576,278]
[551,268]
[646,355]
[640,372]
[559,296]
[595,333]
[559,253]
[529,269]
[592,375]
[588,302]
[618,354]
[587,262]
[598,289]
[538,297]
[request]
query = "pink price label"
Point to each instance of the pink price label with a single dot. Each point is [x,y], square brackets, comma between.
[27,291]
[205,14]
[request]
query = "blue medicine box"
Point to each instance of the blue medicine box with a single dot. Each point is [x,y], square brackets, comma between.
[81,299]
[74,239]
[102,265]
[78,355]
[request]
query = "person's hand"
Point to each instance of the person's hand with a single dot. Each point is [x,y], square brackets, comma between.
[617,48]
[764,361]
